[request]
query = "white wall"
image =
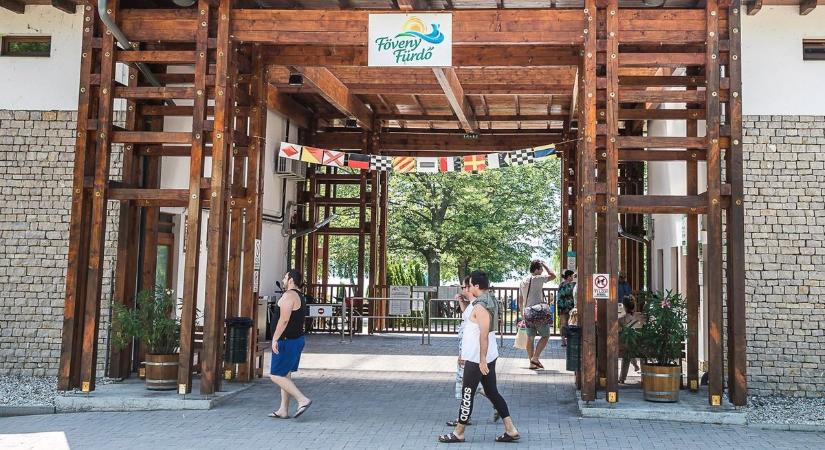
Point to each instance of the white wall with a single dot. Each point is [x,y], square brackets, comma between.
[42,83]
[775,79]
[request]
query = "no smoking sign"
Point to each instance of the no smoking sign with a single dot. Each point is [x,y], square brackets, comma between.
[601,285]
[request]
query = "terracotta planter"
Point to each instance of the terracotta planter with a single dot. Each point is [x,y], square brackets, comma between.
[661,383]
[161,372]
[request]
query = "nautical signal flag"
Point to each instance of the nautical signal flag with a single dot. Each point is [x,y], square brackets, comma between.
[290,151]
[449,164]
[380,162]
[403,164]
[312,155]
[475,163]
[427,164]
[544,152]
[521,157]
[358,161]
[496,160]
[333,158]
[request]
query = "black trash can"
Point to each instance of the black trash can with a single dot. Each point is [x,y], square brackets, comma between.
[574,348]
[237,339]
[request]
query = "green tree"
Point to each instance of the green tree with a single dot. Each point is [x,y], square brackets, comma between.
[496,220]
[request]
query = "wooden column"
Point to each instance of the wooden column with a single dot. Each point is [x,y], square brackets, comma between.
[312,239]
[612,165]
[69,371]
[128,227]
[586,257]
[362,232]
[737,345]
[253,212]
[713,258]
[97,239]
[216,234]
[565,205]
[192,234]
[385,206]
[692,294]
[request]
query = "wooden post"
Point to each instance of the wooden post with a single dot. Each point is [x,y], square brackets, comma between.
[69,372]
[565,205]
[216,234]
[127,250]
[97,240]
[312,239]
[692,269]
[586,258]
[713,259]
[385,206]
[193,217]
[612,165]
[737,345]
[253,211]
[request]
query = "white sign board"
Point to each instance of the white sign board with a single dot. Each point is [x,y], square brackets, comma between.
[400,307]
[425,289]
[410,40]
[571,261]
[399,292]
[256,281]
[418,301]
[320,310]
[601,285]
[257,259]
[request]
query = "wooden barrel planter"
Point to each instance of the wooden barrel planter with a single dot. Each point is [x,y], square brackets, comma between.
[161,372]
[661,383]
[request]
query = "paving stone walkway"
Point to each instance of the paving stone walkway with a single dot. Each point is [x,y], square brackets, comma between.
[386,392]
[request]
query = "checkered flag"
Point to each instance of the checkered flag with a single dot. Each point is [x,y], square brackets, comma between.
[521,157]
[380,162]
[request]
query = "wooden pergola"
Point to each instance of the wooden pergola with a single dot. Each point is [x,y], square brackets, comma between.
[524,73]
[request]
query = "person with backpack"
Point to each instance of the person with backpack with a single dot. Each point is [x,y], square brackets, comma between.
[535,310]
[288,344]
[566,301]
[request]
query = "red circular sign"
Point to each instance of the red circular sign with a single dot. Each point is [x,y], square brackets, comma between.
[320,311]
[601,281]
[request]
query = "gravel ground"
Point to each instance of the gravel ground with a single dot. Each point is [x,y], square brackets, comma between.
[18,390]
[786,410]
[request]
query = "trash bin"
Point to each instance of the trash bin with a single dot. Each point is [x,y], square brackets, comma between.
[237,339]
[574,347]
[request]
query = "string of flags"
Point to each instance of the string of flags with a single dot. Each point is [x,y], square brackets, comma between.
[416,164]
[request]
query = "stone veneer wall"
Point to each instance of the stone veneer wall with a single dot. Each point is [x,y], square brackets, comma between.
[785,254]
[36,164]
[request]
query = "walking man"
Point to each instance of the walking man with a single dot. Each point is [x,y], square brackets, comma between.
[480,361]
[531,296]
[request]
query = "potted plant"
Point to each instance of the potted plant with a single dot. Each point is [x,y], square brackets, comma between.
[154,324]
[659,344]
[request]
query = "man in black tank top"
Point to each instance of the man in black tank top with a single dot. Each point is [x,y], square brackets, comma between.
[288,344]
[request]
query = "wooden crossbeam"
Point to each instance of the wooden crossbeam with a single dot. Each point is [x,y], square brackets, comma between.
[286,106]
[806,6]
[411,5]
[66,6]
[451,86]
[337,94]
[14,6]
[491,88]
[479,118]
[754,6]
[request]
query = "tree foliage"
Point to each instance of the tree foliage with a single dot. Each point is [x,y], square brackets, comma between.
[496,220]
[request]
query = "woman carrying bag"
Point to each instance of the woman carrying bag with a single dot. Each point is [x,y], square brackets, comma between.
[535,310]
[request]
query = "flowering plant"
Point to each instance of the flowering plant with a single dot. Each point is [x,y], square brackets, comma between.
[661,339]
[152,322]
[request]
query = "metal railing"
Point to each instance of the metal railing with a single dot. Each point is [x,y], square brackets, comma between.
[378,309]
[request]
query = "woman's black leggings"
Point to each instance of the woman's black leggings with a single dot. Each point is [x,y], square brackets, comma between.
[472,376]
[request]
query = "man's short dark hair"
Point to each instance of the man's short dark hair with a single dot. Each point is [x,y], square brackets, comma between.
[479,278]
[535,265]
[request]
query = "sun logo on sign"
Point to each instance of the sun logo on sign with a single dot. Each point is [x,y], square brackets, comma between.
[415,27]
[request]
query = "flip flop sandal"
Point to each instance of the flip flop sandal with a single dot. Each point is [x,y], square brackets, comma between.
[507,438]
[538,363]
[302,410]
[277,416]
[534,366]
[449,438]
[452,423]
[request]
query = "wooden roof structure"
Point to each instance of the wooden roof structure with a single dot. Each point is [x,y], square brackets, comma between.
[586,75]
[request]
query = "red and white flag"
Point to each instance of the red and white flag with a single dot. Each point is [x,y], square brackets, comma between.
[290,151]
[333,158]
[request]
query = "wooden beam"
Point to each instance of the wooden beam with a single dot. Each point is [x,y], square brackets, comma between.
[337,94]
[66,6]
[411,5]
[586,255]
[806,6]
[68,376]
[14,6]
[480,118]
[455,96]
[287,107]
[713,258]
[192,236]
[611,253]
[735,226]
[754,6]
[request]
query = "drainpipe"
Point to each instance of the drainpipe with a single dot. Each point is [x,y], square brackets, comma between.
[124,41]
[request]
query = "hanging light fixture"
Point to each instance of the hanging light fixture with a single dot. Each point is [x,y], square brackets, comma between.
[351,123]
[296,79]
[184,3]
